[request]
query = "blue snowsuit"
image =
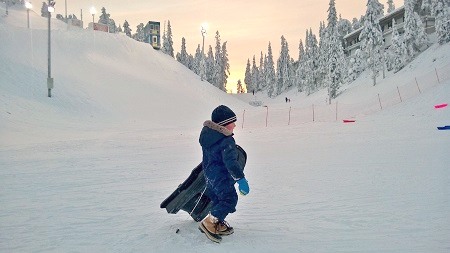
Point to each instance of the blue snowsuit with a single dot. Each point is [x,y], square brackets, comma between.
[221,168]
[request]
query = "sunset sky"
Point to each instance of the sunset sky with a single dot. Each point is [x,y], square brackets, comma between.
[247,26]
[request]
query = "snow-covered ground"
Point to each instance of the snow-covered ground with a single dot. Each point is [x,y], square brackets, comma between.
[86,170]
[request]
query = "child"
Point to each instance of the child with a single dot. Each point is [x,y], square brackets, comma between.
[221,170]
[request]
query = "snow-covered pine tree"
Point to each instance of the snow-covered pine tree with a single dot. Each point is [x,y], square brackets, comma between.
[336,66]
[140,36]
[226,67]
[197,60]
[239,88]
[104,17]
[411,25]
[126,28]
[283,68]
[44,10]
[322,51]
[218,67]
[119,29]
[210,66]
[391,6]
[260,84]
[442,21]
[398,51]
[356,24]
[167,40]
[248,77]
[300,65]
[183,56]
[255,75]
[270,78]
[311,67]
[371,39]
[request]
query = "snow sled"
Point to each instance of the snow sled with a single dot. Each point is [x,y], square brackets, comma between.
[188,196]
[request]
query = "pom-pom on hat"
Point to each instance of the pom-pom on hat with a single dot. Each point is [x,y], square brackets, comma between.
[223,115]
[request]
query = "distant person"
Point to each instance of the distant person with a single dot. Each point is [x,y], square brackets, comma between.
[221,170]
[253,92]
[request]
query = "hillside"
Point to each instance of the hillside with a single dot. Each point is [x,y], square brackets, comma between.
[86,170]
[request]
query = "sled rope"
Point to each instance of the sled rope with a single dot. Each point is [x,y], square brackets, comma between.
[198,201]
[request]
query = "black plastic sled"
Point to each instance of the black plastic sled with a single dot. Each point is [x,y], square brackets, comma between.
[188,195]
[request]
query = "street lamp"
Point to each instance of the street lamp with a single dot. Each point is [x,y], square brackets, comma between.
[93,11]
[51,9]
[28,5]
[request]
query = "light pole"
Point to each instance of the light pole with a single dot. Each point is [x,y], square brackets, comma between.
[28,5]
[50,9]
[93,11]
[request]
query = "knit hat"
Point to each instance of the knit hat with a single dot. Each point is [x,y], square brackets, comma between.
[223,115]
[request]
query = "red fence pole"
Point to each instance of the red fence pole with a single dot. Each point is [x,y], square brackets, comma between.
[418,86]
[336,109]
[379,100]
[267,114]
[289,121]
[399,94]
[437,75]
[243,118]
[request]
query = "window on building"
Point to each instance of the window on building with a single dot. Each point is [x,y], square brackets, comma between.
[151,27]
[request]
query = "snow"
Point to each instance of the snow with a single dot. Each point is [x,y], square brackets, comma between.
[86,170]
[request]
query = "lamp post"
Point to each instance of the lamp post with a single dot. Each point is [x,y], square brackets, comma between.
[50,9]
[28,5]
[203,31]
[93,11]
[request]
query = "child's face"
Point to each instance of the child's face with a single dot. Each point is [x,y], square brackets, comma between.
[230,126]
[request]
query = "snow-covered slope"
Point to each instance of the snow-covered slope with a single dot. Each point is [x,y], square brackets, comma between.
[86,170]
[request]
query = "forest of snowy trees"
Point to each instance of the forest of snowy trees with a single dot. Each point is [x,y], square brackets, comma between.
[322,63]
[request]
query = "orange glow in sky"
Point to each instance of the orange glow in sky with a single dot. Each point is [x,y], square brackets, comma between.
[247,26]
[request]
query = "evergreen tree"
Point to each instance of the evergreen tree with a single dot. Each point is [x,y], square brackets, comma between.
[270,78]
[44,10]
[106,20]
[255,75]
[167,47]
[197,60]
[356,24]
[119,29]
[183,56]
[414,36]
[442,22]
[210,66]
[248,77]
[398,51]
[283,68]
[371,39]
[240,89]
[226,67]
[140,34]
[218,67]
[260,84]
[311,68]
[391,6]
[126,28]
[336,61]
[300,67]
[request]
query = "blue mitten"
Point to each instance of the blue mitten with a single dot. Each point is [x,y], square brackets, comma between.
[244,189]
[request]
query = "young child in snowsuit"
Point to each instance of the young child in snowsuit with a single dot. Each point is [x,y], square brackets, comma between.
[221,170]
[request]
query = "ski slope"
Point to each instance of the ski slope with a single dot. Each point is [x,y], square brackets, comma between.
[86,170]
